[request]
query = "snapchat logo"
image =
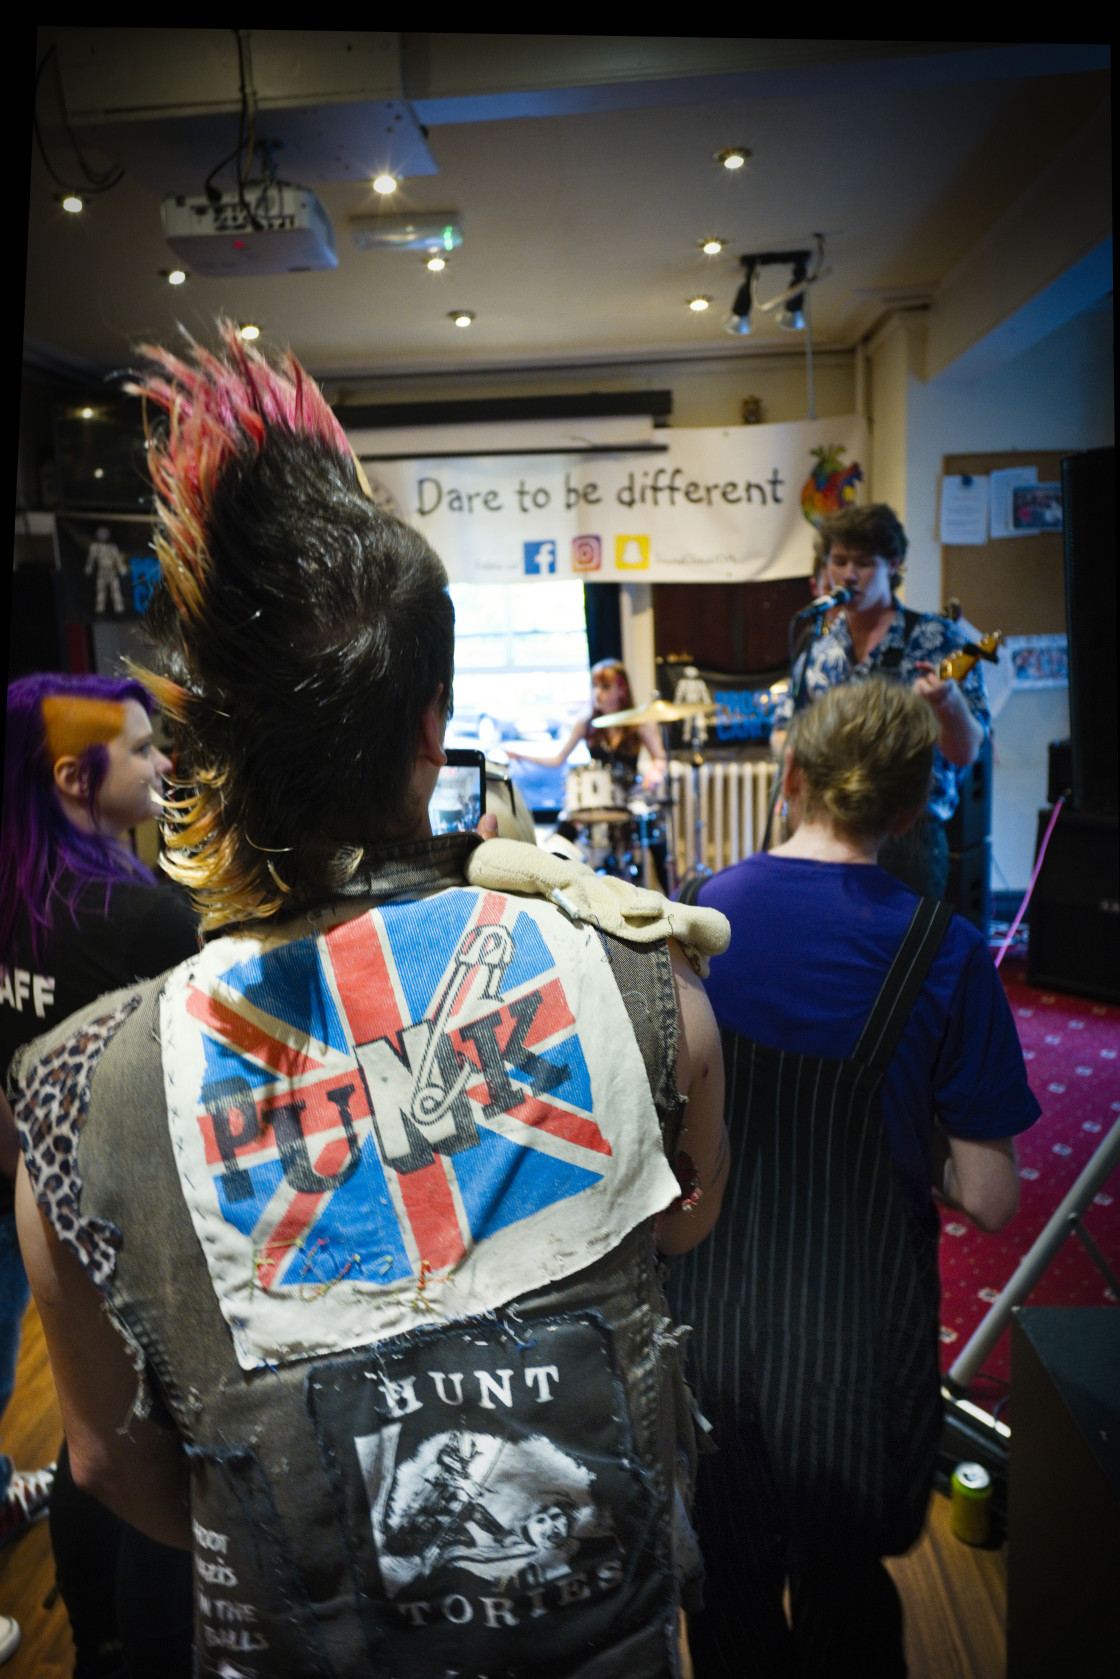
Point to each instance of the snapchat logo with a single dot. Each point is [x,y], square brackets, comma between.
[631,553]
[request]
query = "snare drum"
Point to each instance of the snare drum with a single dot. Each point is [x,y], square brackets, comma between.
[591,787]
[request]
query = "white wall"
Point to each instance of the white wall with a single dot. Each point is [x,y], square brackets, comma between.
[1057,395]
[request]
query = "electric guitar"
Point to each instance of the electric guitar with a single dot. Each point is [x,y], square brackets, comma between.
[958,664]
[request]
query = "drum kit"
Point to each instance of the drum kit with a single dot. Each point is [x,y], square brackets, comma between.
[626,830]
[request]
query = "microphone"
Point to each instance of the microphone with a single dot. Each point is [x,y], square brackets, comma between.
[825,603]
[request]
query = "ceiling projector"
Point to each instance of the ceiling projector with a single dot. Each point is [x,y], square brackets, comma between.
[267,228]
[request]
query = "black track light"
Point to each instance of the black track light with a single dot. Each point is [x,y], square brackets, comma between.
[739,320]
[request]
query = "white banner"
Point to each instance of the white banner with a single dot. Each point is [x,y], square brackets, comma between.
[709,506]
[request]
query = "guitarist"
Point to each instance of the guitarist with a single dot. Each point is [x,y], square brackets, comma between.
[874,635]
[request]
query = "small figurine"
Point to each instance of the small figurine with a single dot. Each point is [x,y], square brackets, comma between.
[106,559]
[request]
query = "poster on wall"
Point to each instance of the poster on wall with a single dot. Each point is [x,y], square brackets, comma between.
[1038,661]
[108,567]
[718,505]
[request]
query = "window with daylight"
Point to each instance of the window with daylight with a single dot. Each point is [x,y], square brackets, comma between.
[521,673]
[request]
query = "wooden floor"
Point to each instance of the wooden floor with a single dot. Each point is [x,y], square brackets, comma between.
[955,1597]
[32,1433]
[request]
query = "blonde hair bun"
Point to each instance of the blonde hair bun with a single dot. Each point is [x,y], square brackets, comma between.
[865,752]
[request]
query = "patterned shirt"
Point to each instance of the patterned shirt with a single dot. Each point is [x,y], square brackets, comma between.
[832,662]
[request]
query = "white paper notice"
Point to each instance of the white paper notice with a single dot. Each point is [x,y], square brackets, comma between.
[1003,483]
[964,510]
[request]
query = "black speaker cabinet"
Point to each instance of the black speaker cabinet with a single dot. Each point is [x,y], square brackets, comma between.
[1064,1492]
[971,822]
[1089,533]
[1074,942]
[1059,772]
[969,889]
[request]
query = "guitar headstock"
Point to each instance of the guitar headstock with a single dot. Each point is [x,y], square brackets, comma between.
[957,665]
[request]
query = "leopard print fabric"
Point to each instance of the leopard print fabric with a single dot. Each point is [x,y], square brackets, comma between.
[51,1109]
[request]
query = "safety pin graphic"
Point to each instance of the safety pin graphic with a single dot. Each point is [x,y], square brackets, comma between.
[490,948]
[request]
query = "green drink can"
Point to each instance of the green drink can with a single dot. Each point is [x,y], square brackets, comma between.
[970,1503]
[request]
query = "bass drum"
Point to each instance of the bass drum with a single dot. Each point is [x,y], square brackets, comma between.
[504,800]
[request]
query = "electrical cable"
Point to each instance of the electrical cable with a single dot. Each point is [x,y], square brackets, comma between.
[98,184]
[208,185]
[243,173]
[1014,928]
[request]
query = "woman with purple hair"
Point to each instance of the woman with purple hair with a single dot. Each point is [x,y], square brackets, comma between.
[80,915]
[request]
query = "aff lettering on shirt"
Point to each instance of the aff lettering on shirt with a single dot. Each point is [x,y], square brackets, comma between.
[18,986]
[420,1114]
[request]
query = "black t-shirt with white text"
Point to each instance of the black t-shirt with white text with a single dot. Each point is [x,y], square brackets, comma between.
[145,930]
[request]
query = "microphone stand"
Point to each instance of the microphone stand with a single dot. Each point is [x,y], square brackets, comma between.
[818,611]
[699,867]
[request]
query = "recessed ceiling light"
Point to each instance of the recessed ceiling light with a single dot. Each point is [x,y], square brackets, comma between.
[385,184]
[461,317]
[436,265]
[176,277]
[85,413]
[72,203]
[711,247]
[249,331]
[99,472]
[699,304]
[733,157]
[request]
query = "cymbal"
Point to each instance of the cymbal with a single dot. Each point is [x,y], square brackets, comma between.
[657,711]
[605,813]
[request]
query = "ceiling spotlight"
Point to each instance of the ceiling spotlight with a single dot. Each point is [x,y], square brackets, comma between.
[805,268]
[249,331]
[792,316]
[461,317]
[733,157]
[436,265]
[85,413]
[739,320]
[712,247]
[699,304]
[72,203]
[385,184]
[176,277]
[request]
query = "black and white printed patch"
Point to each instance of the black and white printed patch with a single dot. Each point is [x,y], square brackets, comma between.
[487,1480]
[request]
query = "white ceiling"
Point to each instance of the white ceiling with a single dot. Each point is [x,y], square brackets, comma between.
[581,228]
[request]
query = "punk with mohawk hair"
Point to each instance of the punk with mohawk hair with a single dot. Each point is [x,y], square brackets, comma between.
[303,633]
[368,1190]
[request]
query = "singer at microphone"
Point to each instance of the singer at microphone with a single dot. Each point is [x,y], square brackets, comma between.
[867,633]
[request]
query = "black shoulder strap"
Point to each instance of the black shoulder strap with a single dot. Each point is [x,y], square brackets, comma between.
[905,978]
[892,658]
[688,892]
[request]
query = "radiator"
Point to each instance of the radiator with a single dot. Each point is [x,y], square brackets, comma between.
[734,800]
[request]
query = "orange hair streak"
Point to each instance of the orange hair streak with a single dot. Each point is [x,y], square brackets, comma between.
[73,724]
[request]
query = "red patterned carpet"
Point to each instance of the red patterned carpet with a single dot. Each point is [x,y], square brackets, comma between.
[1071,1047]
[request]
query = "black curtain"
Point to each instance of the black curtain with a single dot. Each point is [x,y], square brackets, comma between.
[604,623]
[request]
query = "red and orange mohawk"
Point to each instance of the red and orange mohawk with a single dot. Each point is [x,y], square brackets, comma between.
[294,619]
[218,412]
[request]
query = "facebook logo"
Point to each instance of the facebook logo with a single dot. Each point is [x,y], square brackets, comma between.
[540,559]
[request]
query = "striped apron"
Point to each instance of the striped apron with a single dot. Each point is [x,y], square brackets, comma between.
[814,1306]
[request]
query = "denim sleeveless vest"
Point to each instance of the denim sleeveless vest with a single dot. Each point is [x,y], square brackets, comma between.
[496,1492]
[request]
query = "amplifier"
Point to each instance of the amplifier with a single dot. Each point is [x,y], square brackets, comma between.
[1059,772]
[1074,942]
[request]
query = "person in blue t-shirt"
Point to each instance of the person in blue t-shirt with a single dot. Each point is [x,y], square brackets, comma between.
[871,1060]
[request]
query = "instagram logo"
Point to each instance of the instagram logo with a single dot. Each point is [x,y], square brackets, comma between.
[587,553]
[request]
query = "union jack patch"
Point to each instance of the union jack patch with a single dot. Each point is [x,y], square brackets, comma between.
[422,1113]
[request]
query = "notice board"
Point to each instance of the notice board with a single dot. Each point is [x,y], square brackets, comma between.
[1017,583]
